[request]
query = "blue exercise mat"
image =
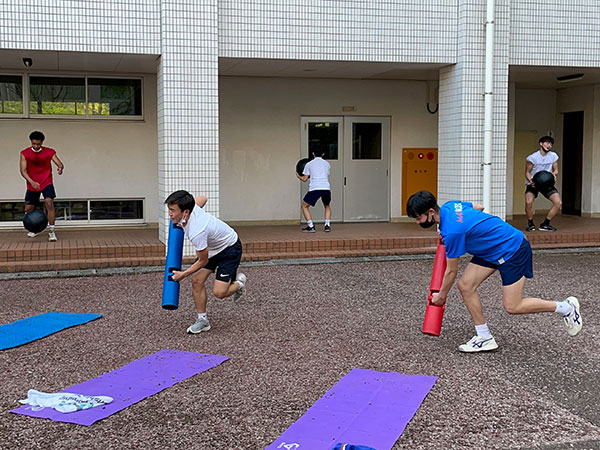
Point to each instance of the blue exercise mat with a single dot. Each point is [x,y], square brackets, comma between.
[33,328]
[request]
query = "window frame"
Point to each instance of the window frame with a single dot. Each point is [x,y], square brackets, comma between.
[25,77]
[25,88]
[87,222]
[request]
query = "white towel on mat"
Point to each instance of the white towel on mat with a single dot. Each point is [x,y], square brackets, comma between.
[64,402]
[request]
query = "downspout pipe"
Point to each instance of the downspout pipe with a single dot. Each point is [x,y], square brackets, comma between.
[488,106]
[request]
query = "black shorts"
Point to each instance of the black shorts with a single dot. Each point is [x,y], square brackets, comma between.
[518,265]
[33,197]
[546,193]
[226,262]
[312,197]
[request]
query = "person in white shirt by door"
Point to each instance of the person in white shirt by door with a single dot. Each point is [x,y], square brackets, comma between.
[218,248]
[543,159]
[317,171]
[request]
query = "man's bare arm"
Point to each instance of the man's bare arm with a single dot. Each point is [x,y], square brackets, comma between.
[528,169]
[24,174]
[201,200]
[59,164]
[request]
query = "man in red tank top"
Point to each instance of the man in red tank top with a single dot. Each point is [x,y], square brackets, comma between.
[36,168]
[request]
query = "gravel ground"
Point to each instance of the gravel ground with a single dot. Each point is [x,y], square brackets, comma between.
[298,331]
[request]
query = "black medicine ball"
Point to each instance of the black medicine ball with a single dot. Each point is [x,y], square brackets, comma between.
[35,221]
[543,180]
[300,165]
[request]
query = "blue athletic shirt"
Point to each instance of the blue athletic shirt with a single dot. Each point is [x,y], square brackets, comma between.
[468,230]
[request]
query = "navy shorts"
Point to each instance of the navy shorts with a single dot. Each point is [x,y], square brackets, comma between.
[312,197]
[226,262]
[33,197]
[546,193]
[518,266]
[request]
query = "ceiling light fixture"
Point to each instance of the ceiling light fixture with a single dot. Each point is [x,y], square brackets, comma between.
[567,78]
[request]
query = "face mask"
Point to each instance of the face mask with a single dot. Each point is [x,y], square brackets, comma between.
[428,223]
[183,221]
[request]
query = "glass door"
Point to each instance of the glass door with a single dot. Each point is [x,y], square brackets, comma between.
[325,133]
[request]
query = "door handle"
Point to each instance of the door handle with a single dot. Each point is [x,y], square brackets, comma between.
[344,181]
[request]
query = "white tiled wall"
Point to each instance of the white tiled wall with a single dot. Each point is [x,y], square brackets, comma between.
[461,113]
[188,104]
[555,33]
[190,35]
[350,30]
[124,26]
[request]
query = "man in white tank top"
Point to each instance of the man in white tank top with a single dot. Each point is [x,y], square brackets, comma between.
[218,249]
[543,159]
[317,170]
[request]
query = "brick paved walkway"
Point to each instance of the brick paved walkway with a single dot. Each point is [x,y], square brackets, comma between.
[126,247]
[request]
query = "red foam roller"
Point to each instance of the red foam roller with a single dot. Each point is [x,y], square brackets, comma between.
[434,314]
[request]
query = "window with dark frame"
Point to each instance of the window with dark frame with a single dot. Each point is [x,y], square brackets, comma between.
[114,97]
[62,96]
[90,97]
[80,210]
[11,94]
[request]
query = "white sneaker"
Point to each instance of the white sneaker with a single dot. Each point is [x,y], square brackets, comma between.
[51,236]
[31,234]
[573,320]
[479,344]
[241,279]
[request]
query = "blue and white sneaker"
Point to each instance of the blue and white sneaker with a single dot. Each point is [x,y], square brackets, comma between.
[478,344]
[573,320]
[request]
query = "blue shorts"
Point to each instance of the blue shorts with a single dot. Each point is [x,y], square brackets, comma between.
[518,266]
[33,197]
[312,197]
[226,262]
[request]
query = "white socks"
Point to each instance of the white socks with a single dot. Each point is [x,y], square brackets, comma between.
[564,308]
[327,222]
[309,223]
[483,331]
[202,316]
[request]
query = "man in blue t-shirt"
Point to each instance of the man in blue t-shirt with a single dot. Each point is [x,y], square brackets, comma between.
[495,245]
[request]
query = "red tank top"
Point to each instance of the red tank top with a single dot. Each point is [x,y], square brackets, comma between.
[39,166]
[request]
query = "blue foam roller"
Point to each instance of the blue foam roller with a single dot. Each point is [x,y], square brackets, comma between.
[170,296]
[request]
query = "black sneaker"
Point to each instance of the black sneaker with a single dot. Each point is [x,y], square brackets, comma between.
[308,229]
[546,227]
[327,228]
[530,227]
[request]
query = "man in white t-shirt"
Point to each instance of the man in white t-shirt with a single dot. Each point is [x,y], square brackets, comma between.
[317,170]
[218,249]
[543,159]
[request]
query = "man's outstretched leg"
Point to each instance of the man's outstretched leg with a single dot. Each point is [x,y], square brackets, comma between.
[569,309]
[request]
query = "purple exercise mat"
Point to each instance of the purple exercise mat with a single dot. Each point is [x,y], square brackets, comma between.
[130,384]
[364,408]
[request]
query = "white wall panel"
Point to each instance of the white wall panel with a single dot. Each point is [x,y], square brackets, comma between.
[123,26]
